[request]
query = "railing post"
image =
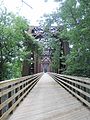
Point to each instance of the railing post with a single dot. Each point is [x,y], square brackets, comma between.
[77,86]
[12,92]
[9,95]
[1,109]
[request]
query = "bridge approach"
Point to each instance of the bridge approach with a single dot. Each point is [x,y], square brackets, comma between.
[53,97]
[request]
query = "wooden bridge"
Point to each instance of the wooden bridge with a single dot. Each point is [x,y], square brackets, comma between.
[53,97]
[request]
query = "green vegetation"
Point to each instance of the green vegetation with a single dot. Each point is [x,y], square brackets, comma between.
[15,44]
[73,18]
[73,25]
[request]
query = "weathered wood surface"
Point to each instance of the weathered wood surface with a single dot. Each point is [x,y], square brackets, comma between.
[49,101]
[12,92]
[78,86]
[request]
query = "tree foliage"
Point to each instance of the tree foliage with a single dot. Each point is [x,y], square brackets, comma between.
[15,44]
[74,17]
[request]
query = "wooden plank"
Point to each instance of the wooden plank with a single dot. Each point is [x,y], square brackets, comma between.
[15,95]
[31,84]
[49,101]
[79,90]
[79,97]
[3,92]
[76,78]
[11,98]
[13,81]
[4,116]
[81,79]
[73,81]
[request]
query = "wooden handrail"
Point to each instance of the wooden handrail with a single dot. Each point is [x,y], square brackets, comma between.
[12,92]
[78,86]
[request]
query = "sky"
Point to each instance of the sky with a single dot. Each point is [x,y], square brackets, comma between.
[39,8]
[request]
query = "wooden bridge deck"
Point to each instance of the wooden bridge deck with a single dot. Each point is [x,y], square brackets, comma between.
[49,101]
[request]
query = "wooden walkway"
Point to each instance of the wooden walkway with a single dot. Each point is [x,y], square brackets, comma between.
[49,101]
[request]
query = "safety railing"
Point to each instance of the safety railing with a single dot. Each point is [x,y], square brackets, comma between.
[78,86]
[12,92]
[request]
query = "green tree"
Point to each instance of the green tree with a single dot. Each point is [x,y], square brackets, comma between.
[15,44]
[11,38]
[74,17]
